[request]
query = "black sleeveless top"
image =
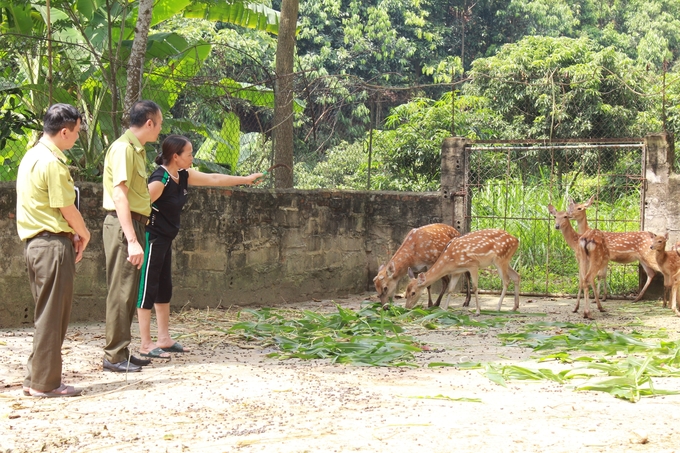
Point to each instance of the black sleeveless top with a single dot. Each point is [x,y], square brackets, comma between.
[166,210]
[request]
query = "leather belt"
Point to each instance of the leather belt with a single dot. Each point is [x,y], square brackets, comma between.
[144,220]
[44,234]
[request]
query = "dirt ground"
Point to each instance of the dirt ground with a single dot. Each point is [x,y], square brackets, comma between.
[227,396]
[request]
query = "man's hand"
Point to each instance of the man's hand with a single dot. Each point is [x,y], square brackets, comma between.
[135,253]
[80,244]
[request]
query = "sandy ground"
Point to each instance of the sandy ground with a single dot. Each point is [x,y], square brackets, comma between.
[228,396]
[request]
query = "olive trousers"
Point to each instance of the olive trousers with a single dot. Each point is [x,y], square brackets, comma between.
[51,263]
[122,281]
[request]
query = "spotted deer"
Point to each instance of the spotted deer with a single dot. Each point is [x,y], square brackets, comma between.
[624,248]
[421,248]
[469,253]
[592,256]
[669,265]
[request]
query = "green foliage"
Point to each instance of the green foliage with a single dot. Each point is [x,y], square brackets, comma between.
[372,336]
[244,14]
[630,376]
[553,88]
[345,167]
[623,363]
[91,43]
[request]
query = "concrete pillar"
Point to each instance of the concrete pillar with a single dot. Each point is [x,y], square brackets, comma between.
[658,176]
[662,198]
[455,202]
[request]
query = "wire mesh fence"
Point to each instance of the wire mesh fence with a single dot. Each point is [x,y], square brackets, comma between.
[511,187]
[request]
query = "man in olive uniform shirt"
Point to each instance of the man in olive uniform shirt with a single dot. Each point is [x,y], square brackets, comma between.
[126,198]
[56,236]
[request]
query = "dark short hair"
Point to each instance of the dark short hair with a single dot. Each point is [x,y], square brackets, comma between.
[59,116]
[141,111]
[173,144]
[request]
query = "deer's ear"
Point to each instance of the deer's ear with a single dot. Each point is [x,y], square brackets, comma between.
[551,209]
[390,269]
[589,202]
[410,273]
[651,235]
[666,236]
[421,278]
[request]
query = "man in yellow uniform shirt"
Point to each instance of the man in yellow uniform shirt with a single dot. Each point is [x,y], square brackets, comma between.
[126,198]
[56,236]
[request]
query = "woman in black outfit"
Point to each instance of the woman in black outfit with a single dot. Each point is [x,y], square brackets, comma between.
[168,189]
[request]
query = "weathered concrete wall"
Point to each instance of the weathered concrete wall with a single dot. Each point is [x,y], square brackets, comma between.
[253,246]
[240,246]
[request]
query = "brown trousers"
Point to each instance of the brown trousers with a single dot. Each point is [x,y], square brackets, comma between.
[122,280]
[51,263]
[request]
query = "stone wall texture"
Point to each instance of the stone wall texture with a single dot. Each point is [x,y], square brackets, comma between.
[239,246]
[264,247]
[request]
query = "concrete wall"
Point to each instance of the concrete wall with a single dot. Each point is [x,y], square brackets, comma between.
[254,246]
[239,246]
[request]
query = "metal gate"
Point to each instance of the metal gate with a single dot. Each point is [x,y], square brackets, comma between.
[511,183]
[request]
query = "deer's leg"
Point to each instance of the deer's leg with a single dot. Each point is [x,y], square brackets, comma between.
[602,278]
[429,298]
[581,282]
[586,302]
[650,276]
[453,281]
[597,298]
[467,290]
[514,276]
[590,279]
[580,287]
[666,293]
[503,272]
[445,284]
[674,301]
[474,277]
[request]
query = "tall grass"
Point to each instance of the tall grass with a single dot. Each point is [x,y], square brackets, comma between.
[544,261]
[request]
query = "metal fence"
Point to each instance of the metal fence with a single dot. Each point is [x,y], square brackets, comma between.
[511,185]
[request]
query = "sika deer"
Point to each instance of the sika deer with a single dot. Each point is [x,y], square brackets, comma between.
[421,248]
[669,264]
[592,256]
[624,248]
[469,253]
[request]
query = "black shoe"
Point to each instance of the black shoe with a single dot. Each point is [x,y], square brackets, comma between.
[139,362]
[121,367]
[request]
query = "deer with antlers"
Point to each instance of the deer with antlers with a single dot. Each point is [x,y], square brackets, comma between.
[592,256]
[469,253]
[624,248]
[420,249]
[669,264]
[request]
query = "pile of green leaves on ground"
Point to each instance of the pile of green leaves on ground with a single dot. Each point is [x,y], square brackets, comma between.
[371,336]
[626,359]
[622,364]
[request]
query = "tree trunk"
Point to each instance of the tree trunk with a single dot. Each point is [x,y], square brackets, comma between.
[135,65]
[283,94]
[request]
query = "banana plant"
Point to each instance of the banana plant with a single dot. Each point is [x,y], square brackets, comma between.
[90,40]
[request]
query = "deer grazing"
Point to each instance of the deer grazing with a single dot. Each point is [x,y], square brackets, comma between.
[421,248]
[469,253]
[669,264]
[592,256]
[624,248]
